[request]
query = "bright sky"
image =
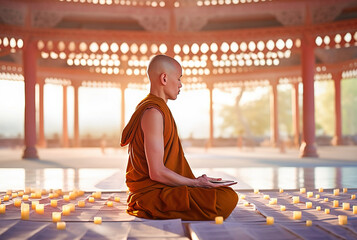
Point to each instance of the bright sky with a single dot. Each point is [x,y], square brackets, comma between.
[99,109]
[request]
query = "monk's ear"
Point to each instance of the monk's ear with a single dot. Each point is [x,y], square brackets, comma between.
[163,78]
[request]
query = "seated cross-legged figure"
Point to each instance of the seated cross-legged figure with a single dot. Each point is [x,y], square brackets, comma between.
[159,178]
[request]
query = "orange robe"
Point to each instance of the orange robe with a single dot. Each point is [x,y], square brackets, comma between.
[154,200]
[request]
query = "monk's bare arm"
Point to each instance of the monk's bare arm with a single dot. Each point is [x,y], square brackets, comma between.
[153,127]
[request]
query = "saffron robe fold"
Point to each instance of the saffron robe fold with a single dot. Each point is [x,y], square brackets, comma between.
[154,200]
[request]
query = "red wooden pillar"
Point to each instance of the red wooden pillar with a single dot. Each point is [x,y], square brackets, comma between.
[337,139]
[29,70]
[211,132]
[42,139]
[65,121]
[76,116]
[274,122]
[308,147]
[296,113]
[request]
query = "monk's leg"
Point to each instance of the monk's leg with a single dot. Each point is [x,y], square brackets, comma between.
[227,200]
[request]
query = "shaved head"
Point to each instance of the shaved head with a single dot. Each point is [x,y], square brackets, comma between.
[161,64]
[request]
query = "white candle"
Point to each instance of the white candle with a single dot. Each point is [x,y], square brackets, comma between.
[308,204]
[354,209]
[325,199]
[66,210]
[110,204]
[72,207]
[256,191]
[61,225]
[40,209]
[25,197]
[318,208]
[336,192]
[72,195]
[2,208]
[20,193]
[66,198]
[344,190]
[25,211]
[321,189]
[56,216]
[335,203]
[296,199]
[282,208]
[317,196]
[346,206]
[218,220]
[91,199]
[270,220]
[353,196]
[117,199]
[281,190]
[53,203]
[98,220]
[13,195]
[6,198]
[327,211]
[308,223]
[309,194]
[51,195]
[296,215]
[266,197]
[17,202]
[273,201]
[342,219]
[302,190]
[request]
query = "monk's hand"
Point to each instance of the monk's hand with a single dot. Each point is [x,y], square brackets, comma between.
[204,181]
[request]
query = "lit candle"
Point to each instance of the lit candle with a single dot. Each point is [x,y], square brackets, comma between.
[40,209]
[72,195]
[266,197]
[53,203]
[56,216]
[72,207]
[17,202]
[296,199]
[325,199]
[302,190]
[50,195]
[309,194]
[25,211]
[43,192]
[13,195]
[80,193]
[321,189]
[273,201]
[318,208]
[110,204]
[2,208]
[256,191]
[218,220]
[38,194]
[317,196]
[354,209]
[117,199]
[342,219]
[81,203]
[25,197]
[6,198]
[98,220]
[308,223]
[308,204]
[91,199]
[336,192]
[20,193]
[344,190]
[335,203]
[281,190]
[27,190]
[33,204]
[66,210]
[353,196]
[282,208]
[246,204]
[346,206]
[8,192]
[61,225]
[327,211]
[296,215]
[270,220]
[66,197]
[55,195]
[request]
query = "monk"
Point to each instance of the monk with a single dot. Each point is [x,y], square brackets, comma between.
[159,178]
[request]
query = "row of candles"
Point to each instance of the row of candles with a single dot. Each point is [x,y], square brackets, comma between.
[39,208]
[342,219]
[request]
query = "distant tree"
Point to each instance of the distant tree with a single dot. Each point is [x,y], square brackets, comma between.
[349,106]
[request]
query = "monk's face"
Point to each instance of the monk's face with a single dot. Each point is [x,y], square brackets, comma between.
[172,89]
